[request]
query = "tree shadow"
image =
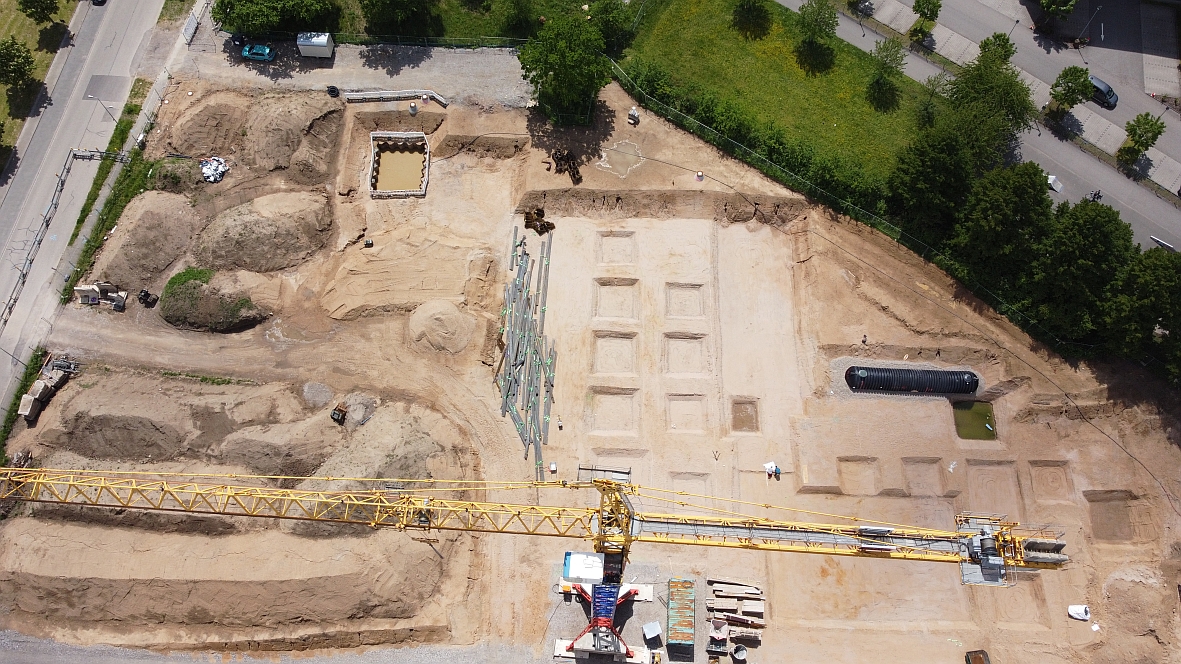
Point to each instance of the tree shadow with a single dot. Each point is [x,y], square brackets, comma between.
[815,57]
[584,144]
[883,94]
[26,101]
[53,37]
[1133,384]
[7,170]
[393,59]
[751,19]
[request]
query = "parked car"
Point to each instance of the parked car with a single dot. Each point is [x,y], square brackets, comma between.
[1104,95]
[98,3]
[258,52]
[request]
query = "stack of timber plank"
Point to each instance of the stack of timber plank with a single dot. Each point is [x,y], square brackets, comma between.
[739,603]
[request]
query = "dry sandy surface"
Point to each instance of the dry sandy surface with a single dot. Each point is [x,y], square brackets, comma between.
[702,330]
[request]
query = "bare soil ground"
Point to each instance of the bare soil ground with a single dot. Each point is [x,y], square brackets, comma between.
[702,329]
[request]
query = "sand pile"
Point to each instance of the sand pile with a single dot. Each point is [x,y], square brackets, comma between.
[255,581]
[441,326]
[210,126]
[155,229]
[296,132]
[267,234]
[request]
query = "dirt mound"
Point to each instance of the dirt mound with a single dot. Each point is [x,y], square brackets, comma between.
[440,325]
[296,132]
[719,206]
[492,147]
[426,121]
[211,126]
[198,306]
[267,234]
[105,436]
[155,229]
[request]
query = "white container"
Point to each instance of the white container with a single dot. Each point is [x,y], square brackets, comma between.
[315,44]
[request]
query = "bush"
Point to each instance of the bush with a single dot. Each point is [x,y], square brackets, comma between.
[185,276]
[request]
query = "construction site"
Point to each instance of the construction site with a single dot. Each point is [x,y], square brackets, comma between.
[457,377]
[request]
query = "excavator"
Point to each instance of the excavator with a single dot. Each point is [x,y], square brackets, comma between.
[988,549]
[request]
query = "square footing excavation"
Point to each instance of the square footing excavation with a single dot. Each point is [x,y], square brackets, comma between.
[401,164]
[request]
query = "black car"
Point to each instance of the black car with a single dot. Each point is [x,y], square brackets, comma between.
[1104,95]
[98,3]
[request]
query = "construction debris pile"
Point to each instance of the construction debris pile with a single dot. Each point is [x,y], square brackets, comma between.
[736,613]
[213,169]
[54,373]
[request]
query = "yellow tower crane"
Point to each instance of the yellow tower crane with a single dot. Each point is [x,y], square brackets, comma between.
[987,548]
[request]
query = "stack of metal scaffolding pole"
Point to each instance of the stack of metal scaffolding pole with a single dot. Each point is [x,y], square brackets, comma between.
[526,373]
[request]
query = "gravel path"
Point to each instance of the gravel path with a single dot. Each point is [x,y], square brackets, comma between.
[487,77]
[20,649]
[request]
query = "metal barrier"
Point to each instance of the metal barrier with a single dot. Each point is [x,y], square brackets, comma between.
[46,219]
[393,95]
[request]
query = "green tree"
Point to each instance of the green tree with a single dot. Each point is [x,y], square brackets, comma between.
[1080,270]
[1058,8]
[936,87]
[928,10]
[256,17]
[1006,218]
[16,63]
[40,11]
[1143,132]
[998,45]
[1072,87]
[614,20]
[565,64]
[1146,316]
[818,21]
[992,86]
[888,58]
[930,183]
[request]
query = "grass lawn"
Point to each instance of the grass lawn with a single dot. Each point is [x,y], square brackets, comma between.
[694,41]
[43,41]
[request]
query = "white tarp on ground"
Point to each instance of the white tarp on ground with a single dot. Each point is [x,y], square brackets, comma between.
[213,168]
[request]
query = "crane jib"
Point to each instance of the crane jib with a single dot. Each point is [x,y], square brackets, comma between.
[987,547]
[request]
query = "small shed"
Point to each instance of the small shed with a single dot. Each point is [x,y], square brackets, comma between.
[315,44]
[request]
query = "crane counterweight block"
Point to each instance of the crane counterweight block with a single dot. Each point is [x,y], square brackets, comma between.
[988,548]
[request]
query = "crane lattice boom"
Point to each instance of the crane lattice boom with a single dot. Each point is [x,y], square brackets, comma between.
[985,546]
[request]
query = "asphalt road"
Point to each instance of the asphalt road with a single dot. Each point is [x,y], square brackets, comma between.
[1115,54]
[93,77]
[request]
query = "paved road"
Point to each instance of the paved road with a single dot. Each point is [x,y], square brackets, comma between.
[1147,214]
[99,64]
[1115,54]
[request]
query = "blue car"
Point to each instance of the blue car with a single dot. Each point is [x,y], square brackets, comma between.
[259,52]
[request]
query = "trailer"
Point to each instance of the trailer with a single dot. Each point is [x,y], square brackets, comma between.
[315,44]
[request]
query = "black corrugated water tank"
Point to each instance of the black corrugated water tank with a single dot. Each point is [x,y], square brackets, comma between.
[881,379]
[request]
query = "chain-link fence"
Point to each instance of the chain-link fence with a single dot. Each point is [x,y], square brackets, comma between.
[847,208]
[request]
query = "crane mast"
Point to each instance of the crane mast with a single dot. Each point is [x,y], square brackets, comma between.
[987,547]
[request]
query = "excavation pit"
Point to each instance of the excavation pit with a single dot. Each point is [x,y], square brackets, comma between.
[400,165]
